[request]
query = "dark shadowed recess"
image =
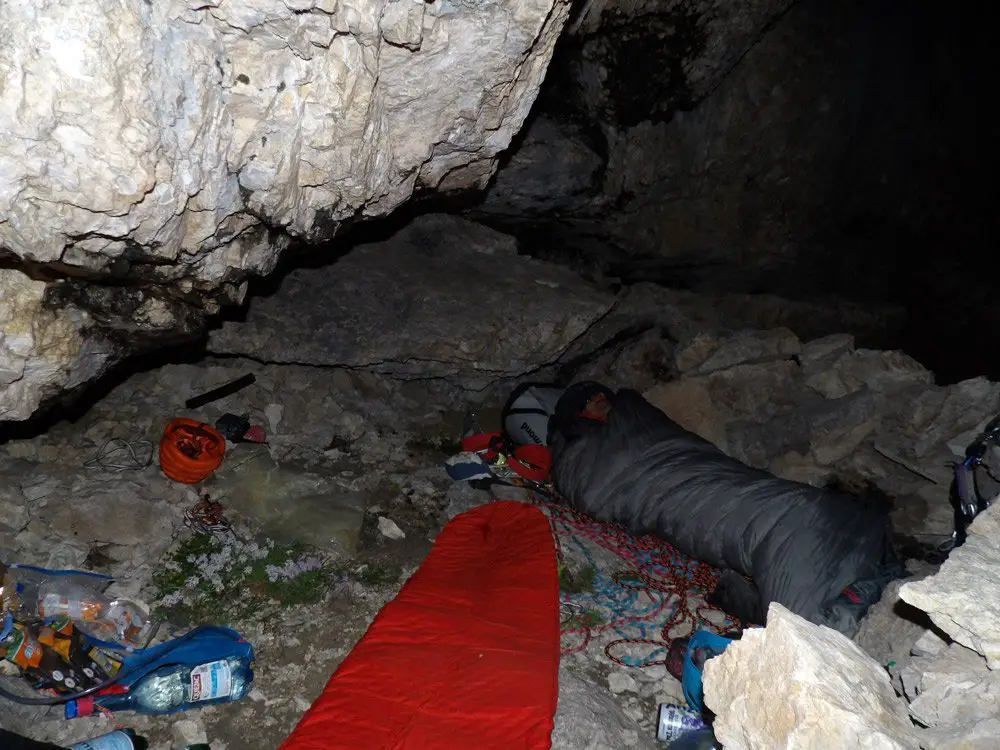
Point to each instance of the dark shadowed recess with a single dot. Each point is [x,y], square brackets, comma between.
[907,205]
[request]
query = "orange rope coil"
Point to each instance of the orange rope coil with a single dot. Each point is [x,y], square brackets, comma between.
[190,451]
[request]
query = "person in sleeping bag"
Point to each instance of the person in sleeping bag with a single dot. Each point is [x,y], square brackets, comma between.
[824,555]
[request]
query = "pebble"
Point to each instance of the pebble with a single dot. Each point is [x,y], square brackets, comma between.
[621,682]
[273,413]
[653,673]
[636,712]
[390,529]
[189,731]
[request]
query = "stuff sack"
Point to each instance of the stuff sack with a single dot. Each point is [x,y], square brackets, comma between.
[521,444]
[525,417]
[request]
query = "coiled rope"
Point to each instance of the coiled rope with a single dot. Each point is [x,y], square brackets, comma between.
[654,596]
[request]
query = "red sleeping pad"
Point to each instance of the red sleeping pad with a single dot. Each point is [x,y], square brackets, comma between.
[465,657]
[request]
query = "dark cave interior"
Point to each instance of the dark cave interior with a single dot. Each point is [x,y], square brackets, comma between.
[855,168]
[890,207]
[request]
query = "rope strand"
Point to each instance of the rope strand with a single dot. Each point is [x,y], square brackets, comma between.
[646,604]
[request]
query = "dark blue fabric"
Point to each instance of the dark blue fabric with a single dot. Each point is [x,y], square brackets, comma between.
[801,545]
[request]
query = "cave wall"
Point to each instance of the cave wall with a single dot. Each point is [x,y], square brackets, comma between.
[828,136]
[835,149]
[747,177]
[162,153]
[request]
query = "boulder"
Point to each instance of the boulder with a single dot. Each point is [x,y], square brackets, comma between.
[690,403]
[742,395]
[954,689]
[853,370]
[817,352]
[979,736]
[963,598]
[705,353]
[443,298]
[797,685]
[926,429]
[838,430]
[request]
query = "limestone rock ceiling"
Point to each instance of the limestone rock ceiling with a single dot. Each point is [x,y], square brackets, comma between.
[168,150]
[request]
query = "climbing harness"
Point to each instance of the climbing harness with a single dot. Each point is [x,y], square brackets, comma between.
[970,498]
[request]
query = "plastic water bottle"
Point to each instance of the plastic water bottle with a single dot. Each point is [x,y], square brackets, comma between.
[676,721]
[170,689]
[122,739]
[699,739]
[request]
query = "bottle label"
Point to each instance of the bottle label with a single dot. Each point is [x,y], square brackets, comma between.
[21,648]
[212,680]
[675,721]
[105,661]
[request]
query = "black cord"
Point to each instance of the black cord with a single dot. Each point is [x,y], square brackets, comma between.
[55,700]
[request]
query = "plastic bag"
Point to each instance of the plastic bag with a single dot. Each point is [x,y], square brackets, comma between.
[22,584]
[50,657]
[32,593]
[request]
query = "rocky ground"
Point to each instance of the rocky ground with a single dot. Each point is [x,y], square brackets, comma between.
[351,486]
[346,450]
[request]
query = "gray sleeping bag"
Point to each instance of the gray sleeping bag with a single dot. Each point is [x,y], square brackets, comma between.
[800,545]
